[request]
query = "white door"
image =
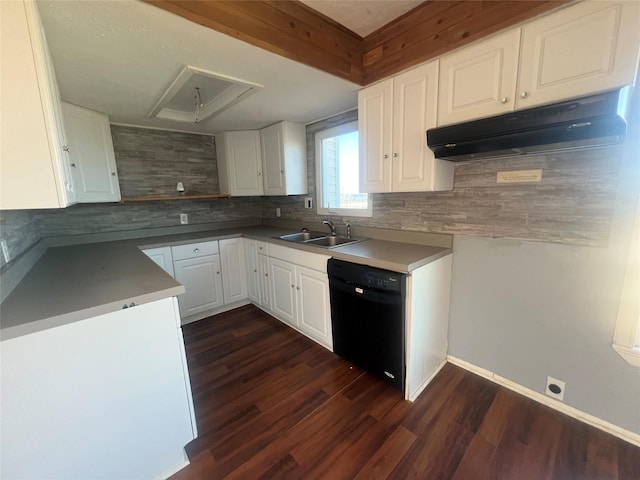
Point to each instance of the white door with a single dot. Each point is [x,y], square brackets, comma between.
[284,290]
[265,282]
[479,80]
[415,103]
[590,47]
[203,283]
[314,313]
[162,257]
[253,275]
[91,154]
[273,159]
[234,277]
[374,128]
[244,161]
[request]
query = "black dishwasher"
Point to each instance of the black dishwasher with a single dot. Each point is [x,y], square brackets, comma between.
[367,317]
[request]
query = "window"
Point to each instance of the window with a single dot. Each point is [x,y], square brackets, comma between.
[337,173]
[626,339]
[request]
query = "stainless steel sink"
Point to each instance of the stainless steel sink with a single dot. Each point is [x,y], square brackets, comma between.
[332,241]
[302,236]
[318,239]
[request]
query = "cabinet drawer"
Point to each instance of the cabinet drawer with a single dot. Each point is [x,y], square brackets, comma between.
[194,250]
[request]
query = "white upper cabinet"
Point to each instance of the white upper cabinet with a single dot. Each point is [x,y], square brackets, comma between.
[93,163]
[240,163]
[479,80]
[393,117]
[589,47]
[586,48]
[284,159]
[34,160]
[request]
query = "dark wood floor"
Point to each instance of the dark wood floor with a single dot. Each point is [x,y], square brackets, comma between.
[272,404]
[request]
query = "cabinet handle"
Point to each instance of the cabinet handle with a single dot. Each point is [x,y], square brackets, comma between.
[385,156]
[504,100]
[524,95]
[196,250]
[266,274]
[293,286]
[259,173]
[255,271]
[65,148]
[113,174]
[395,154]
[297,288]
[217,273]
[73,165]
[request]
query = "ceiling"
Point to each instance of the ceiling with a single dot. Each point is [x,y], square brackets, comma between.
[119,57]
[362,16]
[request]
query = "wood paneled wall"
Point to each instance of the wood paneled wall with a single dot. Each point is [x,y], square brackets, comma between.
[295,31]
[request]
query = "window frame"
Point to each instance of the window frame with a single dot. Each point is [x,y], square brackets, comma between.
[342,129]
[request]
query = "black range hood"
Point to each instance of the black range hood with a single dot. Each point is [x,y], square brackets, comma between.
[583,122]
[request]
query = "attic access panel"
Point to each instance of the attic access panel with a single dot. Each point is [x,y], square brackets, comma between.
[217,93]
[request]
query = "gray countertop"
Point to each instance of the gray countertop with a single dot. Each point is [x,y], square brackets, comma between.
[72,283]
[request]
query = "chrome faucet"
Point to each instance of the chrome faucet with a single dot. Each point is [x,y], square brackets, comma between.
[331,226]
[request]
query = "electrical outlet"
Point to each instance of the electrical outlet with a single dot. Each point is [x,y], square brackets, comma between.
[278,212]
[184,219]
[555,388]
[308,202]
[5,251]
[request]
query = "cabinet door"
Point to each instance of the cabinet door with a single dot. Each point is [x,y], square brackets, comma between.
[240,163]
[253,274]
[589,47]
[265,282]
[91,153]
[162,257]
[33,156]
[479,80]
[234,277]
[273,159]
[415,98]
[284,290]
[202,280]
[314,313]
[374,126]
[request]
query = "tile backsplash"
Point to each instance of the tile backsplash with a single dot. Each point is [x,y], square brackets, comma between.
[573,204]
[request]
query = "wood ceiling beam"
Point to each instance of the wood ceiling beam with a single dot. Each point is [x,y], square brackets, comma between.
[291,29]
[287,28]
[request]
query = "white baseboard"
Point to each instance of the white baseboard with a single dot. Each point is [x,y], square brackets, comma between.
[417,393]
[177,468]
[603,425]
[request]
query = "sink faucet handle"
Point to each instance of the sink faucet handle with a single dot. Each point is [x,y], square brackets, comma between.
[304,229]
[348,225]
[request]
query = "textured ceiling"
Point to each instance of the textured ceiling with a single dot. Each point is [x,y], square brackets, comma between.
[119,57]
[363,16]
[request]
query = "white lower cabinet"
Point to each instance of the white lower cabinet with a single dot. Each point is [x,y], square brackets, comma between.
[202,281]
[283,281]
[162,257]
[115,404]
[253,274]
[314,312]
[234,278]
[299,289]
[265,282]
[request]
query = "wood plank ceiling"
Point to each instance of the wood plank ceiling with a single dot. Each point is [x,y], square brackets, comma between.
[295,31]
